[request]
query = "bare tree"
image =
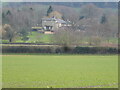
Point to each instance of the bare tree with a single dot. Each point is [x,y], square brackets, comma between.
[90,11]
[9,32]
[67,36]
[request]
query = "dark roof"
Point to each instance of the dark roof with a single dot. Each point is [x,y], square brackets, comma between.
[54,19]
[61,21]
[48,19]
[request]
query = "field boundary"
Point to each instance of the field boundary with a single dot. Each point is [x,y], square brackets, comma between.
[59,49]
[99,85]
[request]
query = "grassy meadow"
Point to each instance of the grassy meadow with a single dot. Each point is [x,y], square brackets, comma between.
[36,37]
[73,71]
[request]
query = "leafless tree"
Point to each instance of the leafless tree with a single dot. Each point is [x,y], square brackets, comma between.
[67,36]
[9,33]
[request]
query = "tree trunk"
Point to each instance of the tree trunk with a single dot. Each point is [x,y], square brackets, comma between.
[10,40]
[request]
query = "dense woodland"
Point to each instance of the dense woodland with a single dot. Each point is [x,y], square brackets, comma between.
[92,23]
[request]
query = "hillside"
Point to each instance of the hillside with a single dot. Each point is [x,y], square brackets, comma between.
[70,4]
[22,16]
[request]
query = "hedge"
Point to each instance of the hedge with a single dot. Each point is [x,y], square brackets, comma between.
[95,50]
[59,49]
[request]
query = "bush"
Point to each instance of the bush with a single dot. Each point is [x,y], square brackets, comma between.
[96,41]
[95,50]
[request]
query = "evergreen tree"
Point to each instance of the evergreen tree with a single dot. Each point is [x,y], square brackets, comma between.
[103,19]
[50,9]
[3,15]
[31,9]
[63,17]
[8,12]
[81,17]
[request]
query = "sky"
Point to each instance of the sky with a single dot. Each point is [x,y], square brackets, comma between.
[59,0]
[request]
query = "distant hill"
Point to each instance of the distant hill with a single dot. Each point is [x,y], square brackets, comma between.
[70,4]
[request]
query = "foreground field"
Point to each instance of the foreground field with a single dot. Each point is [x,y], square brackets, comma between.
[73,71]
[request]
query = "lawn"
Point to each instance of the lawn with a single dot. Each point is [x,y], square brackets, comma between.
[40,37]
[73,71]
[36,37]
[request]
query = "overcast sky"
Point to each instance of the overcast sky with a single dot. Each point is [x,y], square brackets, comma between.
[59,0]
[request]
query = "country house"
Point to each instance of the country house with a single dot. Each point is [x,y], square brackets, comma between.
[53,23]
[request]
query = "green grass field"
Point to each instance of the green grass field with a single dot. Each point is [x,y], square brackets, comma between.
[73,71]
